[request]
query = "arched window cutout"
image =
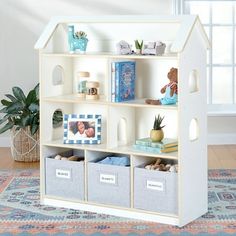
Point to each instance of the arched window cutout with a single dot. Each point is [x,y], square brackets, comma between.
[193,81]
[122,131]
[58,75]
[57,118]
[193,130]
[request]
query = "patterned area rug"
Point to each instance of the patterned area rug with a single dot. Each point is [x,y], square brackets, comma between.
[21,212]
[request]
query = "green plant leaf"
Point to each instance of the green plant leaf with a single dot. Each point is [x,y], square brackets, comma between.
[7,117]
[31,98]
[141,45]
[36,89]
[15,108]
[3,110]
[5,102]
[4,119]
[21,111]
[12,98]
[34,128]
[19,94]
[6,127]
[25,121]
[34,107]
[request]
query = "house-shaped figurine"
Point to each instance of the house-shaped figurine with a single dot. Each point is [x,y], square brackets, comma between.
[132,191]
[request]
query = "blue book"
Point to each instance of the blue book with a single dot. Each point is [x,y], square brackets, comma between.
[124,81]
[113,81]
[165,143]
[155,149]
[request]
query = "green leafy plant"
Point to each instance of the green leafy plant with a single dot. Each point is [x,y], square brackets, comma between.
[157,123]
[138,45]
[80,34]
[20,110]
[57,118]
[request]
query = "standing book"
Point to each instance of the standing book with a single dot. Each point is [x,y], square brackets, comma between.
[123,81]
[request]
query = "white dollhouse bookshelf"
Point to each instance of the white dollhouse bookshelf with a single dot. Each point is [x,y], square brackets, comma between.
[186,49]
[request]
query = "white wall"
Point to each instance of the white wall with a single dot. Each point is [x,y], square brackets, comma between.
[22,21]
[222,130]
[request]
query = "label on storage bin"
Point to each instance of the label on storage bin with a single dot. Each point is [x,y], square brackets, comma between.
[108,179]
[155,185]
[65,174]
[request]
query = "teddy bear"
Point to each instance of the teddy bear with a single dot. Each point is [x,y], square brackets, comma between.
[170,90]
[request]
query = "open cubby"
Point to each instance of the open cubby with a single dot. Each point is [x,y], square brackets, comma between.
[126,191]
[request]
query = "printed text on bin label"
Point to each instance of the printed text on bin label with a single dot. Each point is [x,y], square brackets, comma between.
[63,174]
[108,179]
[154,185]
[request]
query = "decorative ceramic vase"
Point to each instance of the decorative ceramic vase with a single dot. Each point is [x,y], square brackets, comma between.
[76,44]
[82,44]
[138,51]
[156,135]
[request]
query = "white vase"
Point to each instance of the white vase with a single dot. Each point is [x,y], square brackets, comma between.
[138,51]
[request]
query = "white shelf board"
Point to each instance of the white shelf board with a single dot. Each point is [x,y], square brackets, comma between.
[224,113]
[125,149]
[172,56]
[71,98]
[112,210]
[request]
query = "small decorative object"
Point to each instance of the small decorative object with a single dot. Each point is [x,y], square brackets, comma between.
[123,48]
[21,116]
[138,46]
[77,41]
[92,90]
[170,90]
[82,129]
[157,133]
[70,158]
[154,48]
[159,166]
[81,86]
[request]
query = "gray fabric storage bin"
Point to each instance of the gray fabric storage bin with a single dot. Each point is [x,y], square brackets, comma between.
[64,178]
[155,190]
[109,184]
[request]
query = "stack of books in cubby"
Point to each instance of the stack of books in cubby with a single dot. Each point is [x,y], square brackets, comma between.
[122,81]
[166,145]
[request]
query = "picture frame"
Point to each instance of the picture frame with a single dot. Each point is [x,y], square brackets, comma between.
[82,129]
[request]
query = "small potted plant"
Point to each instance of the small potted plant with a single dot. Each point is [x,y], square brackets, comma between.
[81,36]
[21,116]
[157,133]
[77,41]
[138,46]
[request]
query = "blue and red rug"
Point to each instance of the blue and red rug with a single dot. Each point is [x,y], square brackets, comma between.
[22,214]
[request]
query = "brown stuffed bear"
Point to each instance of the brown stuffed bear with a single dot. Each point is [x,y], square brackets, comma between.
[170,90]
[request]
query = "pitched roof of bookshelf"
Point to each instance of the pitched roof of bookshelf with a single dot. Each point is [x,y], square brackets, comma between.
[187,23]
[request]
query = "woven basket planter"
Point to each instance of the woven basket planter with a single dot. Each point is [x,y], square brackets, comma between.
[24,146]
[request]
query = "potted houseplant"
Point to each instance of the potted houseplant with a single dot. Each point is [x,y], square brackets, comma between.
[77,41]
[138,46]
[21,116]
[81,36]
[157,133]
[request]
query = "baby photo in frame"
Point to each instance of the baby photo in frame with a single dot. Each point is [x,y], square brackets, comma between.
[82,129]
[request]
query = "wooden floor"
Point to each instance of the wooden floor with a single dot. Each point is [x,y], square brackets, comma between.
[219,157]
[222,157]
[7,162]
